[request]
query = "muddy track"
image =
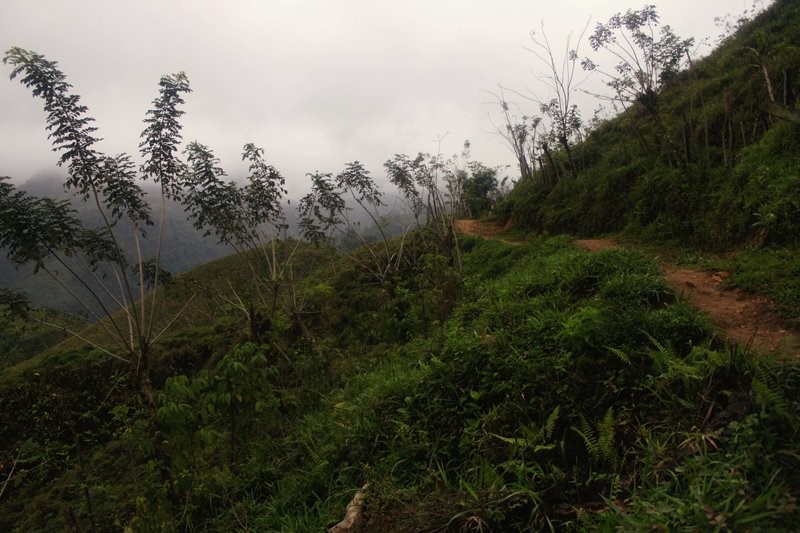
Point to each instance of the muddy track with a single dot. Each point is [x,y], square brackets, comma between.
[738,316]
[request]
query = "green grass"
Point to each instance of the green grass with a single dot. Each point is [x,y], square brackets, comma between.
[557,382]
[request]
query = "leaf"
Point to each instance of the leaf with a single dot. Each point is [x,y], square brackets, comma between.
[516,441]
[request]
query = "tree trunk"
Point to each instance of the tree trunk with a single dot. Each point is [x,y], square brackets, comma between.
[552,163]
[148,395]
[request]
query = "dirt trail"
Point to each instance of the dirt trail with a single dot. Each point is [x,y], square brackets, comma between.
[482,229]
[740,317]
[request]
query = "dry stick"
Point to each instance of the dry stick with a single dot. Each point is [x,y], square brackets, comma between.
[174,318]
[84,339]
[85,306]
[10,474]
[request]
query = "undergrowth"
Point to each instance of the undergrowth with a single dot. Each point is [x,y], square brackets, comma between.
[544,388]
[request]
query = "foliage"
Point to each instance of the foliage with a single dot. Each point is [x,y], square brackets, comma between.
[432,188]
[556,383]
[479,189]
[532,387]
[710,164]
[645,63]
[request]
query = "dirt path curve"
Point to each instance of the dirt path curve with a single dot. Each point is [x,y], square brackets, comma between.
[740,317]
[483,229]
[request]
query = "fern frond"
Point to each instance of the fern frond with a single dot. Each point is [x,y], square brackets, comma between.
[621,355]
[661,356]
[605,437]
[551,422]
[616,487]
[589,438]
[660,347]
[767,394]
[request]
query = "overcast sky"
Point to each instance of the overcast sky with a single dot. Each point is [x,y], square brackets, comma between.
[317,83]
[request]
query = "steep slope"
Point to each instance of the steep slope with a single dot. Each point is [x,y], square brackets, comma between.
[714,165]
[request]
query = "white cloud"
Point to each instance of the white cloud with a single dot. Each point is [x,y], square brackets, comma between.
[316,82]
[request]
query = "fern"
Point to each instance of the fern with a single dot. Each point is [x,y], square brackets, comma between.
[535,440]
[605,437]
[589,439]
[621,355]
[661,356]
[599,442]
[766,390]
[616,487]
[551,422]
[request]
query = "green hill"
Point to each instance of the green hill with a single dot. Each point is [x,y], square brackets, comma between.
[718,168]
[543,386]
[467,384]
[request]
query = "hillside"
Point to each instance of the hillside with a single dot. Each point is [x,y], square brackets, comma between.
[712,163]
[184,248]
[432,380]
[543,386]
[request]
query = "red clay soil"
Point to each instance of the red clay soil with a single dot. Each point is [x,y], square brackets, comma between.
[483,229]
[742,318]
[596,245]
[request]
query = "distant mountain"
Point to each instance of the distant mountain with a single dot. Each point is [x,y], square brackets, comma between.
[183,248]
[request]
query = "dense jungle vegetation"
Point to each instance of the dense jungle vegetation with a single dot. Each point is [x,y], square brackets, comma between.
[447,382]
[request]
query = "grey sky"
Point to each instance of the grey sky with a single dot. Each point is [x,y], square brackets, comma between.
[317,83]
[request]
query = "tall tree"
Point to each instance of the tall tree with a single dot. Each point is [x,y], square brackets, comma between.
[479,189]
[521,133]
[46,233]
[250,219]
[648,55]
[560,79]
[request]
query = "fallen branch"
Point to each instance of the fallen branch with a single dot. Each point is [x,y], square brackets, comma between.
[353,515]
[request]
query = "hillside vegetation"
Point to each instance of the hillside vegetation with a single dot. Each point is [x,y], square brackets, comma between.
[433,381]
[547,387]
[712,161]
